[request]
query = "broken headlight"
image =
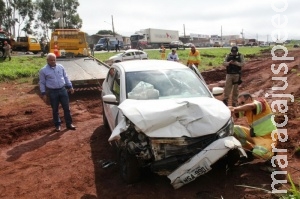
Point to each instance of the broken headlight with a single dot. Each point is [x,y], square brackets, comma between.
[226,130]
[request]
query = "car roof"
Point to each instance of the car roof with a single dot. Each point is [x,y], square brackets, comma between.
[144,65]
[133,50]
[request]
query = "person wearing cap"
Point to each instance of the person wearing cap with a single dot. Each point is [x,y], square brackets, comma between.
[261,135]
[233,62]
[7,49]
[172,56]
[194,57]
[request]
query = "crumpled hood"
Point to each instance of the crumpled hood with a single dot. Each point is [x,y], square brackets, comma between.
[191,117]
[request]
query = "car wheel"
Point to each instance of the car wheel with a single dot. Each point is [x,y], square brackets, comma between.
[129,167]
[233,156]
[105,121]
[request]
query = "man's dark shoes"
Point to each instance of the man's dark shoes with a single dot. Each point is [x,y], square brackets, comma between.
[71,127]
[57,128]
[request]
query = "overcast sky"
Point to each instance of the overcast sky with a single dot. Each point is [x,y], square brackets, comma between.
[252,17]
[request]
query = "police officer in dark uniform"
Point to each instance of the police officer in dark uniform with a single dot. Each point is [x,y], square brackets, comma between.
[233,62]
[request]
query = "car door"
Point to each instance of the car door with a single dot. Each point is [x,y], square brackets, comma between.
[128,56]
[34,45]
[140,55]
[112,86]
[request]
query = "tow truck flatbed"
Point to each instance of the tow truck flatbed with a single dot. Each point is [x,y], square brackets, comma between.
[84,71]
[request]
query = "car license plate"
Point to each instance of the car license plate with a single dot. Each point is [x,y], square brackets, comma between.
[202,168]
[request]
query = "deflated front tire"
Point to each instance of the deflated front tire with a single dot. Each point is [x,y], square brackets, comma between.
[129,167]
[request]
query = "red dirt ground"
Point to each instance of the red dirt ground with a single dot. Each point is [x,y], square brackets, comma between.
[36,162]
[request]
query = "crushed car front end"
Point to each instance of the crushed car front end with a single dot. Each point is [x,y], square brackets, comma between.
[182,146]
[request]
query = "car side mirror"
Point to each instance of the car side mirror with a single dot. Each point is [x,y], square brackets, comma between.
[216,91]
[110,99]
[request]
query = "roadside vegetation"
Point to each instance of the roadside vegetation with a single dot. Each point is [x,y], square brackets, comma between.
[210,57]
[28,66]
[20,67]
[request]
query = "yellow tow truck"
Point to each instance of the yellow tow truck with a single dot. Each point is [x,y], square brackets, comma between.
[27,44]
[71,49]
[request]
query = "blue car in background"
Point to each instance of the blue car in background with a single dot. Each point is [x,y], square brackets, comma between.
[102,45]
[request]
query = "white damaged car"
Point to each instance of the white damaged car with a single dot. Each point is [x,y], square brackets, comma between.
[131,54]
[163,117]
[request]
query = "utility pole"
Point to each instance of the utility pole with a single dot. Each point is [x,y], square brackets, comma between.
[242,33]
[113,27]
[221,37]
[184,31]
[62,14]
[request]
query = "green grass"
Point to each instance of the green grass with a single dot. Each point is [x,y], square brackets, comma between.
[210,57]
[293,192]
[20,67]
[28,66]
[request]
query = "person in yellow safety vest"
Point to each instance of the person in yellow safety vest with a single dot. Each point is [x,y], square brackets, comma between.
[194,57]
[162,53]
[258,138]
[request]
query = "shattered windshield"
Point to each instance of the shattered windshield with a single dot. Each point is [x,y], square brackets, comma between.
[164,84]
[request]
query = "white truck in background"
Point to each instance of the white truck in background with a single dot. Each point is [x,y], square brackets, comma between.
[153,38]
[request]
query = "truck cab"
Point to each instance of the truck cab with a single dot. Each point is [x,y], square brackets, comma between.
[100,44]
[27,44]
[112,41]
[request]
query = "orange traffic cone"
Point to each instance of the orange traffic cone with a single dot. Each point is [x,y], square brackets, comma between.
[56,51]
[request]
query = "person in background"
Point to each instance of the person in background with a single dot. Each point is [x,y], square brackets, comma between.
[7,49]
[162,53]
[92,49]
[44,47]
[194,57]
[55,83]
[234,61]
[117,46]
[107,44]
[261,134]
[172,56]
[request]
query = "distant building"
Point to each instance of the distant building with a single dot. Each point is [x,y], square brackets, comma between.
[215,39]
[199,40]
[202,40]
[225,40]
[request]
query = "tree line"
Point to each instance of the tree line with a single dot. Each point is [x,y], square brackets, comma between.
[38,17]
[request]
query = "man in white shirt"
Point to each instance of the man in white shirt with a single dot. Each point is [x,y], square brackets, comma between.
[172,56]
